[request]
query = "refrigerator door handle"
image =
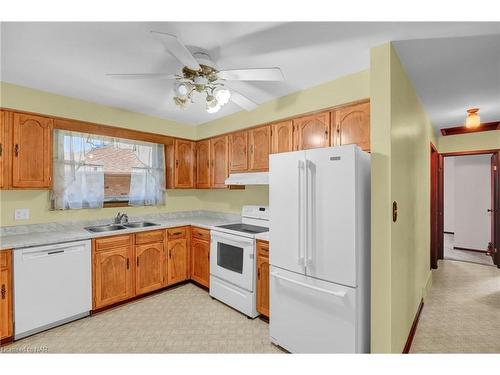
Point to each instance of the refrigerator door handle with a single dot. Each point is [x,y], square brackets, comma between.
[300,257]
[309,213]
[326,291]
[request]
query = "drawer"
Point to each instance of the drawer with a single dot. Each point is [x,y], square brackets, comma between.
[262,248]
[5,258]
[179,232]
[149,236]
[200,233]
[112,242]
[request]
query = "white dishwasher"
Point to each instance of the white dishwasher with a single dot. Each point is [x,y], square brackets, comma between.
[52,286]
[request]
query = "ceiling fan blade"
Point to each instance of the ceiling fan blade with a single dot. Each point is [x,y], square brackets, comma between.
[258,74]
[242,101]
[178,50]
[142,76]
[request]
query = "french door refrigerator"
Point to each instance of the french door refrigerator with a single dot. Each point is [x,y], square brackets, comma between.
[319,203]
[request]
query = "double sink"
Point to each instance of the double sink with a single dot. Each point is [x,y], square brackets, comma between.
[115,227]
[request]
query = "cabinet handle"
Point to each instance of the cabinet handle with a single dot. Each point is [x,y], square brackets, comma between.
[1,149]
[128,263]
[177,163]
[170,254]
[258,274]
[137,261]
[16,150]
[3,291]
[176,233]
[326,134]
[251,149]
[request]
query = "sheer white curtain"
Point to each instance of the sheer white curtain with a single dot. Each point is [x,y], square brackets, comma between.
[147,184]
[79,179]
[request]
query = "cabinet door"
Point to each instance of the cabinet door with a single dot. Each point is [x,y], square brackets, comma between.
[259,143]
[5,295]
[238,157]
[219,161]
[352,125]
[32,159]
[263,284]
[203,164]
[149,267]
[282,137]
[177,260]
[184,164]
[312,131]
[3,139]
[113,276]
[200,261]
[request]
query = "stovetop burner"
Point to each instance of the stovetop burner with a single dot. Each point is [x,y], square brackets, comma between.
[246,228]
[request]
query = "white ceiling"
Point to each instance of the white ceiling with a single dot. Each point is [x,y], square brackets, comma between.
[72,58]
[453,74]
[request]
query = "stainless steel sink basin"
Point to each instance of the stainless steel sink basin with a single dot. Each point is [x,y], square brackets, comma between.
[105,228]
[139,224]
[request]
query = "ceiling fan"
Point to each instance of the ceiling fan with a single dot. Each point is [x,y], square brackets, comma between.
[199,75]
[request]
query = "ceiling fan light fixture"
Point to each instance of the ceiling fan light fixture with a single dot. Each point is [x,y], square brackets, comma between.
[181,102]
[472,120]
[222,95]
[182,89]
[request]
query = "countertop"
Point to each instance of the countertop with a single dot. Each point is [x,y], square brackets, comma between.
[63,232]
[262,236]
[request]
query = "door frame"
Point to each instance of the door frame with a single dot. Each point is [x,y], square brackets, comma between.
[437,204]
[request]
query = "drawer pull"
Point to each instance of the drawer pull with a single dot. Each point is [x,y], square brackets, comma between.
[176,233]
[4,291]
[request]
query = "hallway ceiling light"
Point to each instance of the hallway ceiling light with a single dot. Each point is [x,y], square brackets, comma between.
[473,120]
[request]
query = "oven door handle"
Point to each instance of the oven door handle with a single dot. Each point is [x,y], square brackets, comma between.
[233,238]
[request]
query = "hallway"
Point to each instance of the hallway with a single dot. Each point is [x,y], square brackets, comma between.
[462,311]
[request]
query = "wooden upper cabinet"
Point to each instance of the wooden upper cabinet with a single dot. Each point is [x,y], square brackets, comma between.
[259,143]
[238,156]
[177,262]
[32,148]
[113,279]
[149,271]
[3,130]
[218,161]
[312,131]
[200,261]
[352,125]
[203,164]
[282,137]
[6,327]
[184,164]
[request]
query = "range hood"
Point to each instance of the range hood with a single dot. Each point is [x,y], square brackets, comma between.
[253,178]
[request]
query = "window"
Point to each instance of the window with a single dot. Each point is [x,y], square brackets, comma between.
[91,170]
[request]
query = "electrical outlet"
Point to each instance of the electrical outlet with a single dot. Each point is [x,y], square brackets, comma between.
[22,214]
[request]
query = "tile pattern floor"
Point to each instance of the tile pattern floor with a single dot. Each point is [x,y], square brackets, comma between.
[463,255]
[462,311]
[180,320]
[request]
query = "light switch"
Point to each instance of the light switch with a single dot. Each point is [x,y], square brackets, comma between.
[22,214]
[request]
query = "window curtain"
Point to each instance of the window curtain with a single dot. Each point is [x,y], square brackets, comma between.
[79,182]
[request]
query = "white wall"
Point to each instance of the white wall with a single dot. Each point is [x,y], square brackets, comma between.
[472,185]
[449,194]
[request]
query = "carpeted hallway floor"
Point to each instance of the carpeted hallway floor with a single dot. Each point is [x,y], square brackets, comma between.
[180,320]
[462,311]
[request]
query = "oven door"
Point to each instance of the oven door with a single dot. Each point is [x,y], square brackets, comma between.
[232,259]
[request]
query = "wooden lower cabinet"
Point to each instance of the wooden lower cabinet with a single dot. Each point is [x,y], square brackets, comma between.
[177,257]
[263,277]
[200,256]
[149,269]
[6,326]
[113,276]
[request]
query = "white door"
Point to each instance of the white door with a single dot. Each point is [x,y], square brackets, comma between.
[331,214]
[287,210]
[311,316]
[232,258]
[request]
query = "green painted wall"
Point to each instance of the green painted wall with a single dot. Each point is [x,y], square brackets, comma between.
[469,142]
[401,134]
[342,90]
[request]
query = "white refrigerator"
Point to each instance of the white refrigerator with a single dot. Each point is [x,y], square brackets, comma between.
[319,204]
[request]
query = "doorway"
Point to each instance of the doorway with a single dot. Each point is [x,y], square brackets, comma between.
[465,199]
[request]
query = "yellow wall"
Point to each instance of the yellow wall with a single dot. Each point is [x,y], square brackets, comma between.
[343,90]
[469,142]
[400,172]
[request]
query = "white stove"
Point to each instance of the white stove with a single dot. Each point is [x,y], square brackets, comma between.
[232,259]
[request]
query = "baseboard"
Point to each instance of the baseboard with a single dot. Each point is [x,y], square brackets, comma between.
[446,232]
[467,249]
[413,328]
[6,340]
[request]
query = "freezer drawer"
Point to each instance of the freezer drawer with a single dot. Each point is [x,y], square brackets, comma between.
[311,316]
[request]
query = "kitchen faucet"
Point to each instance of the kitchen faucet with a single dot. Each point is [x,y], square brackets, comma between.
[121,218]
